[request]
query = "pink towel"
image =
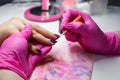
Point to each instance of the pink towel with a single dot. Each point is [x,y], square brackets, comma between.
[66,61]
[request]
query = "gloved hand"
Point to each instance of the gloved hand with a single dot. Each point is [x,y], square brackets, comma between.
[14,53]
[88,34]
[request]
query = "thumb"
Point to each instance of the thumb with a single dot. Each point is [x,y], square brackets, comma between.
[77,27]
[35,58]
[27,31]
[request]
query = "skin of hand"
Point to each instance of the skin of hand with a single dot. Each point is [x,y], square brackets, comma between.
[88,34]
[118,33]
[16,24]
[16,49]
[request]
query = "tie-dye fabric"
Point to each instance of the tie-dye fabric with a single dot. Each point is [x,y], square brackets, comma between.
[66,61]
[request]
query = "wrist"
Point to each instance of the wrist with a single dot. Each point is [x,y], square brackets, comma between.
[113,43]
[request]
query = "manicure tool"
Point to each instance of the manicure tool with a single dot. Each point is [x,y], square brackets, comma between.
[78,18]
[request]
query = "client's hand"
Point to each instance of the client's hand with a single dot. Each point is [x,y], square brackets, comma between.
[16,24]
[88,34]
[16,47]
[18,42]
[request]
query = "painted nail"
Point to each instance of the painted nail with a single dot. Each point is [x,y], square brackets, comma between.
[39,51]
[57,36]
[53,40]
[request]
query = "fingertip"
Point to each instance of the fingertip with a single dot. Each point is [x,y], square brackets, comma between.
[34,49]
[46,49]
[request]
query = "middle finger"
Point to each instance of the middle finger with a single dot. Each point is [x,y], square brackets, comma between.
[42,39]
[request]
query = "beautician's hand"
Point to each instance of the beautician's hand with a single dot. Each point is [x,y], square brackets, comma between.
[16,24]
[88,34]
[16,47]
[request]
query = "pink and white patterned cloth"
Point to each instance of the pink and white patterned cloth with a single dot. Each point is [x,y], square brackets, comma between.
[66,61]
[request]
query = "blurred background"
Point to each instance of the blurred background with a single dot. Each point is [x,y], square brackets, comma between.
[89,6]
[106,13]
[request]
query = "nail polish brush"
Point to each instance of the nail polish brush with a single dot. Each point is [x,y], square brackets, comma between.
[78,18]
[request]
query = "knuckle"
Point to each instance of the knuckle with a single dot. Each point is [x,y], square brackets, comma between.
[15,18]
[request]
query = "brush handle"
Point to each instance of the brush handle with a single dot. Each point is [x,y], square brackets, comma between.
[79,19]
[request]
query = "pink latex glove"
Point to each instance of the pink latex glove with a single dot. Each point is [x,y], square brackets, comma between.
[14,53]
[88,34]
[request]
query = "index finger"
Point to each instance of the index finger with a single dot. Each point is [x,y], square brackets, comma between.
[43,31]
[69,15]
[39,29]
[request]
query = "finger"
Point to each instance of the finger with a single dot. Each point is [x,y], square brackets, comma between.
[16,23]
[34,49]
[43,31]
[27,31]
[69,15]
[75,27]
[39,29]
[46,49]
[79,27]
[20,20]
[42,39]
[75,13]
[71,36]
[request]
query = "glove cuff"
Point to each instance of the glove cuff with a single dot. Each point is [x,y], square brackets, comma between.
[113,44]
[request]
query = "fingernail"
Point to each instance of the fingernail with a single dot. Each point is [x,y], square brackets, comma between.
[57,36]
[39,51]
[53,40]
